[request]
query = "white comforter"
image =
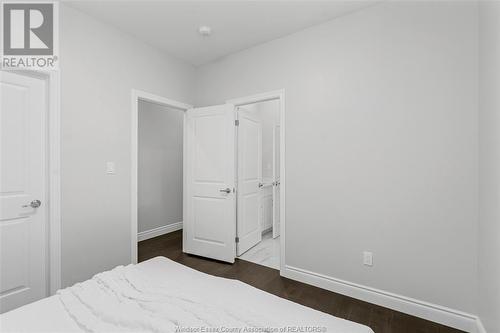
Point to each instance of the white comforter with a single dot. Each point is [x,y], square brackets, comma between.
[162,296]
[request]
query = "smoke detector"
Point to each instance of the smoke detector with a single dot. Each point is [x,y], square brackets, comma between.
[205,30]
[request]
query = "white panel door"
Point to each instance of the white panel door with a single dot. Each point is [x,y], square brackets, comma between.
[277,182]
[249,180]
[209,165]
[23,244]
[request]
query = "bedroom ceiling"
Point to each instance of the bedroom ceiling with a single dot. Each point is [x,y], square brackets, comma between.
[172,26]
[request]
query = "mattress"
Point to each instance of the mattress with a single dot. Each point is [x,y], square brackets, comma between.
[160,295]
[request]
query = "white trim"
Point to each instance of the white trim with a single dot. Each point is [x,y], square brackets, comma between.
[479,326]
[155,232]
[265,231]
[268,96]
[257,98]
[144,96]
[54,128]
[436,313]
[53,132]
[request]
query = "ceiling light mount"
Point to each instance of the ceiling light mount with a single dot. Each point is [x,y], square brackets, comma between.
[205,30]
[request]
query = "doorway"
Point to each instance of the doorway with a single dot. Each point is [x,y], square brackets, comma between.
[159,170]
[211,186]
[157,167]
[258,183]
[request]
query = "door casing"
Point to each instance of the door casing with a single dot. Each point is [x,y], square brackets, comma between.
[241,101]
[152,98]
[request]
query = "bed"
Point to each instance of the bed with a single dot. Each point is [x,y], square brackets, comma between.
[160,295]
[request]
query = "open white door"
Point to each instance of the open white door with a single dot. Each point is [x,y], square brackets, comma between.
[276,183]
[249,179]
[209,166]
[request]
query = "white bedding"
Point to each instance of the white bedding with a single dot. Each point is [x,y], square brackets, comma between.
[160,295]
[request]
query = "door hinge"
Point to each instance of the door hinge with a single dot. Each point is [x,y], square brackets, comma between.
[237,122]
[237,239]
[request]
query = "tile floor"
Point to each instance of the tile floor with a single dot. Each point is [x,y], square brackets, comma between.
[266,253]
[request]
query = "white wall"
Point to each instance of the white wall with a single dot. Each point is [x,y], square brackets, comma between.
[159,166]
[489,161]
[381,144]
[99,67]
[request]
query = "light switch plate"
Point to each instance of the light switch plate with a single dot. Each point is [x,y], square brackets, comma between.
[367,258]
[110,168]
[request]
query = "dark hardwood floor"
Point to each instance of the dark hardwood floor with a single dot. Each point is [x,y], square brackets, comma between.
[381,320]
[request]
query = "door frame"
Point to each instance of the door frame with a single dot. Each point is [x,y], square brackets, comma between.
[139,95]
[53,173]
[263,97]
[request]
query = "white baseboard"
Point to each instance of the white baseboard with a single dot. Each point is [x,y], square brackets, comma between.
[268,229]
[479,326]
[147,234]
[436,313]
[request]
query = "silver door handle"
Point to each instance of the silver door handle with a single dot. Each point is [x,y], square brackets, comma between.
[33,204]
[227,190]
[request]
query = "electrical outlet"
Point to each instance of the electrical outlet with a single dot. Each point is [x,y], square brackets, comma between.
[367,258]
